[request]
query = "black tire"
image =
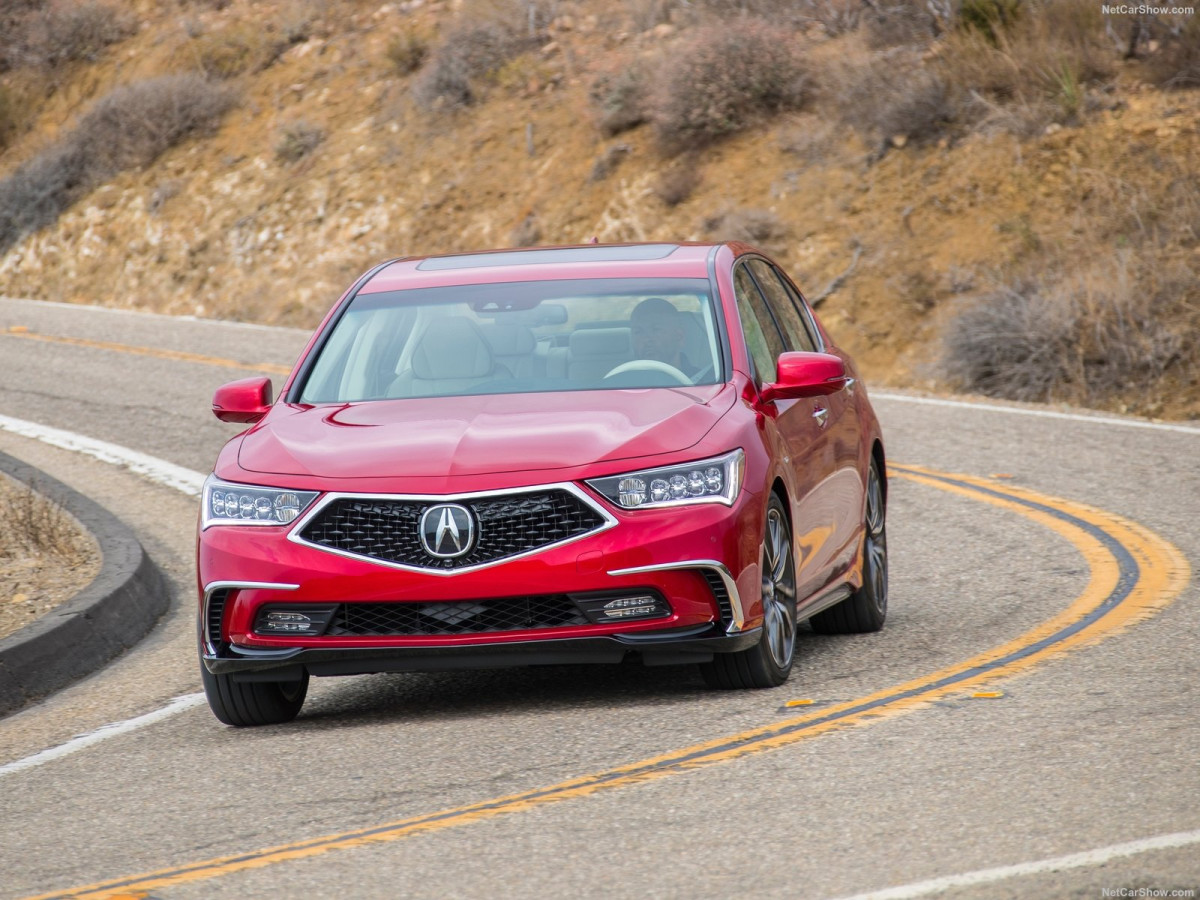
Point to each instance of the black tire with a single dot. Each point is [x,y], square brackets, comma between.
[769,662]
[245,703]
[866,609]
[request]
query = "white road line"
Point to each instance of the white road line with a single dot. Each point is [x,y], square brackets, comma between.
[1039,413]
[1056,864]
[158,470]
[152,467]
[103,733]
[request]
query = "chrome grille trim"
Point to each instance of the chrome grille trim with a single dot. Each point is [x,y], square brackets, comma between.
[607,520]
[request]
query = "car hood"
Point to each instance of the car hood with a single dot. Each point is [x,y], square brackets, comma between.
[477,435]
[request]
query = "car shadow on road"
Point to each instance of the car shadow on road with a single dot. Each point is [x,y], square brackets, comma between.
[337,702]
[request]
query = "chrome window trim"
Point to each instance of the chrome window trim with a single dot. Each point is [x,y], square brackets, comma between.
[213,586]
[609,521]
[735,599]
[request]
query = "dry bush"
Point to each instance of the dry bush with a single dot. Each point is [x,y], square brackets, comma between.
[1176,64]
[619,97]
[678,183]
[463,60]
[889,95]
[1084,339]
[13,114]
[56,33]
[834,16]
[297,140]
[135,123]
[606,163]
[33,524]
[899,23]
[723,78]
[128,127]
[753,226]
[1032,71]
[407,51]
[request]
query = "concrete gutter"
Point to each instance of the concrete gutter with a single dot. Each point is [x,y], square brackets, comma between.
[104,619]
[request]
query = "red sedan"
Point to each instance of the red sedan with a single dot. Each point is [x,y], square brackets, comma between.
[561,455]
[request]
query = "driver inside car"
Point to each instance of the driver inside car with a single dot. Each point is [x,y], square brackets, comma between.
[657,332]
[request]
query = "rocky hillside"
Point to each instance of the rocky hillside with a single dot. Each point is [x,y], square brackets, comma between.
[1002,197]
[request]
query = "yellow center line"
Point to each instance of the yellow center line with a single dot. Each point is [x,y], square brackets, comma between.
[175,355]
[1133,574]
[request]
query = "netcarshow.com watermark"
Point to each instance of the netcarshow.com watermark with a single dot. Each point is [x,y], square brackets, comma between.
[1145,892]
[1125,9]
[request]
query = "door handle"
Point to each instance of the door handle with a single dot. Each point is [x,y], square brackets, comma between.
[821,414]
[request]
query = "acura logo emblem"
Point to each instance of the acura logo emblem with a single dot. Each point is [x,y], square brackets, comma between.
[447,531]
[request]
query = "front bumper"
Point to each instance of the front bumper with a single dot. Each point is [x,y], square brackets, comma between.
[703,561]
[673,647]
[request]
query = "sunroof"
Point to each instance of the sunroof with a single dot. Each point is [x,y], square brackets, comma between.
[560,255]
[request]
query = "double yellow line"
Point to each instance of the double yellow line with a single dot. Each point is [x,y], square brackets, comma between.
[1134,573]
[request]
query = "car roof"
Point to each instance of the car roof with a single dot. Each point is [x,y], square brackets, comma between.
[642,260]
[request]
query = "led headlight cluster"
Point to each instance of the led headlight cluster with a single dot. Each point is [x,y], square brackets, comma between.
[715,480]
[243,504]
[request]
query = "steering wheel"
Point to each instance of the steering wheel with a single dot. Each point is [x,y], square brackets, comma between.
[650,365]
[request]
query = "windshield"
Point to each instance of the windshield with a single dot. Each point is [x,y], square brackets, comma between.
[519,337]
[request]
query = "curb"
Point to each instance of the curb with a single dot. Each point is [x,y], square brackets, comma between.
[105,618]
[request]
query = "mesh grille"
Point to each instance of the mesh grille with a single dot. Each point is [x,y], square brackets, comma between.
[216,613]
[464,617]
[717,585]
[505,526]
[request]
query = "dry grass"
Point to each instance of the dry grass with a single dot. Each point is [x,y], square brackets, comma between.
[722,79]
[1035,70]
[297,140]
[31,524]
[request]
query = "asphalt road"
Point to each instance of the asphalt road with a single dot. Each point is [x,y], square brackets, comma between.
[1085,749]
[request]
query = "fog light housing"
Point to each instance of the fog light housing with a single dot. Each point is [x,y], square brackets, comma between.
[623,607]
[296,621]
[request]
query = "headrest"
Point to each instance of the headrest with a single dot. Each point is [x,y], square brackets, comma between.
[452,348]
[602,342]
[509,340]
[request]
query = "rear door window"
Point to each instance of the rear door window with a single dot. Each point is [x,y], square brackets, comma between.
[787,312]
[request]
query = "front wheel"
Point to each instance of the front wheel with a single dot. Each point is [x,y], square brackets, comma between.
[769,662]
[244,703]
[866,609]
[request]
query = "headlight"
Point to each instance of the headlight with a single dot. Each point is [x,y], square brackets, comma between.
[226,503]
[715,480]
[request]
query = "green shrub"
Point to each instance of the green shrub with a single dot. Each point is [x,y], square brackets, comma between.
[722,79]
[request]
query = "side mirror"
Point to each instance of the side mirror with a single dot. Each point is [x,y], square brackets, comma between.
[244,401]
[805,375]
